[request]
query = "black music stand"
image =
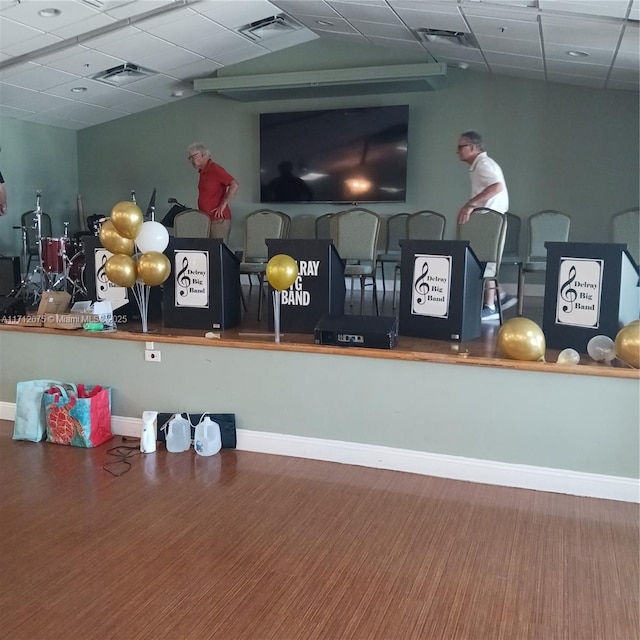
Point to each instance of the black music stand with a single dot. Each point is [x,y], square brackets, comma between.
[203,290]
[440,290]
[319,289]
[590,289]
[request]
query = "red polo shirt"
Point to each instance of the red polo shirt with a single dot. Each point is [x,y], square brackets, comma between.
[212,186]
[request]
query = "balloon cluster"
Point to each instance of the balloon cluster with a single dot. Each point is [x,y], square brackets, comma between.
[625,347]
[125,231]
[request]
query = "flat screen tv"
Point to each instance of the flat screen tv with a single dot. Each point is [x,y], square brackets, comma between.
[337,155]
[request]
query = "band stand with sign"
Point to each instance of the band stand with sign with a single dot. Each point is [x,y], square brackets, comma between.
[203,290]
[440,290]
[590,289]
[319,288]
[99,288]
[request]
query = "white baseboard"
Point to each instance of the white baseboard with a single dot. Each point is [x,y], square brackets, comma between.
[504,474]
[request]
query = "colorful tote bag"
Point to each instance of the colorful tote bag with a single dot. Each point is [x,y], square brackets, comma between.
[30,420]
[79,416]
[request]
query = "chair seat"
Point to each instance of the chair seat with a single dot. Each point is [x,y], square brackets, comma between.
[358,270]
[391,256]
[536,265]
[253,267]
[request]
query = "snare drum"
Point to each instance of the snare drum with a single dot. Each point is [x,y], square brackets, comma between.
[76,268]
[54,252]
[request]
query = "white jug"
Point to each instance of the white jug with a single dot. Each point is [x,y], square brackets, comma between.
[148,437]
[207,440]
[178,434]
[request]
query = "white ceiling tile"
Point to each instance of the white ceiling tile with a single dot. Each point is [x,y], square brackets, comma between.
[397,31]
[13,112]
[509,60]
[234,14]
[159,86]
[93,88]
[201,69]
[502,13]
[222,42]
[40,78]
[169,60]
[87,113]
[337,24]
[111,97]
[400,44]
[84,26]
[627,60]
[287,40]
[122,10]
[66,52]
[17,69]
[27,13]
[513,29]
[13,32]
[596,56]
[507,45]
[109,38]
[580,33]
[239,55]
[634,13]
[86,63]
[578,69]
[27,99]
[186,29]
[351,12]
[631,40]
[459,54]
[308,7]
[612,8]
[134,46]
[140,104]
[451,21]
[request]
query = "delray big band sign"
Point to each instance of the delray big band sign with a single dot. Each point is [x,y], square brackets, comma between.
[579,291]
[297,295]
[191,279]
[431,286]
[105,289]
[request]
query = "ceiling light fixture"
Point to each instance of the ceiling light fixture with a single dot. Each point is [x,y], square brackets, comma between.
[578,54]
[177,94]
[49,13]
[324,23]
[78,89]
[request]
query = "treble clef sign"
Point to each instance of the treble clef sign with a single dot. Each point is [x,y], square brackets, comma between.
[420,285]
[182,279]
[567,292]
[101,274]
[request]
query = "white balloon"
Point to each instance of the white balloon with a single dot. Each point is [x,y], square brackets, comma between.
[601,348]
[568,356]
[152,236]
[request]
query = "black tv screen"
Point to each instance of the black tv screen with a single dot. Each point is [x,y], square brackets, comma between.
[337,155]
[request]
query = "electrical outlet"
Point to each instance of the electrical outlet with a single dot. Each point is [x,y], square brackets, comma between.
[151,356]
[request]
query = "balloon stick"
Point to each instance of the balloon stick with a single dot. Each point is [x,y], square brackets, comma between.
[276,314]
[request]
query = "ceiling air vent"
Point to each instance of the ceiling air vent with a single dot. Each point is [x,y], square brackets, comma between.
[269,27]
[442,36]
[123,74]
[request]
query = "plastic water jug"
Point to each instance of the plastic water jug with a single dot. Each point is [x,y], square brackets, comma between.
[207,440]
[148,437]
[178,434]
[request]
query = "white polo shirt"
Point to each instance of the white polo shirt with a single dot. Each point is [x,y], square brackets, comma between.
[483,172]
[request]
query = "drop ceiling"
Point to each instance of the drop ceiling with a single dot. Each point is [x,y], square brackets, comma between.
[48,64]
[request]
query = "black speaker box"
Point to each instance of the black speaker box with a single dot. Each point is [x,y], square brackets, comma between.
[9,274]
[11,308]
[377,332]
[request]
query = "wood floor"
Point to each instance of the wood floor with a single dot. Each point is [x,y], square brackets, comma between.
[258,547]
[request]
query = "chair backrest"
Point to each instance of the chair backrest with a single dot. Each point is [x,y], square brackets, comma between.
[259,226]
[396,227]
[512,240]
[28,224]
[625,228]
[356,234]
[547,226]
[323,226]
[486,231]
[191,224]
[426,225]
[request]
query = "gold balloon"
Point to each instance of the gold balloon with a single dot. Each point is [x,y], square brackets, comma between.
[153,268]
[112,241]
[521,339]
[628,344]
[127,219]
[282,271]
[121,270]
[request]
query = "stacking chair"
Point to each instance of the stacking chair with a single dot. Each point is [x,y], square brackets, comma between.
[511,255]
[323,226]
[356,239]
[30,246]
[486,232]
[625,229]
[259,226]
[545,226]
[396,230]
[191,224]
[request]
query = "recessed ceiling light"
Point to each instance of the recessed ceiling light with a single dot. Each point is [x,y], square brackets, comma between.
[578,54]
[49,13]
[324,23]
[78,89]
[177,94]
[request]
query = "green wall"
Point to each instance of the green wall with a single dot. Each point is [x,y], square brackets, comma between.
[36,156]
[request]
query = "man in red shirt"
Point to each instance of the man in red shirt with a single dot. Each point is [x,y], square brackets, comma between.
[215,188]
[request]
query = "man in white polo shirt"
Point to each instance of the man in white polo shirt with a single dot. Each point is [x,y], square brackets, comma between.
[488,189]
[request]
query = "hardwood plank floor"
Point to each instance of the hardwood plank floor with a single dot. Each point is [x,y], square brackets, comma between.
[250,546]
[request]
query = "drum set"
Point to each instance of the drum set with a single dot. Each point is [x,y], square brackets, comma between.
[60,263]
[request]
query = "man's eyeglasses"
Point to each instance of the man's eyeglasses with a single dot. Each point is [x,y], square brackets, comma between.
[197,153]
[462,146]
